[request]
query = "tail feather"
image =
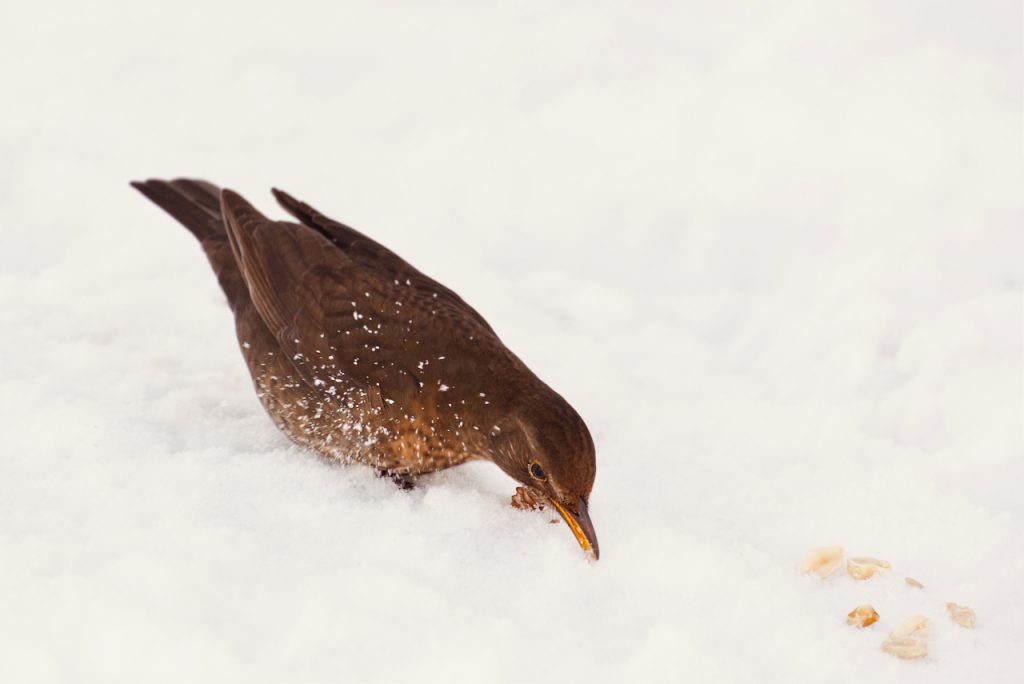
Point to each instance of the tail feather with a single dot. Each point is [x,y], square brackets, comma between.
[198,216]
[205,194]
[196,205]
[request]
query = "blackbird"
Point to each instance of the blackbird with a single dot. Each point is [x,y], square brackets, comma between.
[358,356]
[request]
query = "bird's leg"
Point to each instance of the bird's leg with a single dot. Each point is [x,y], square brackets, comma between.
[527,499]
[405,482]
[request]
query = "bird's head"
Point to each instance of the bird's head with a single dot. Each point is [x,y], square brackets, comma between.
[545,445]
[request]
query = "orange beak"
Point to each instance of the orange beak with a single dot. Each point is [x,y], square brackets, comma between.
[577,517]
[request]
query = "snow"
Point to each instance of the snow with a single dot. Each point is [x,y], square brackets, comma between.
[770,252]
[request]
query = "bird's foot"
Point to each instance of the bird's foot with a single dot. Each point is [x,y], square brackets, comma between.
[404,482]
[526,499]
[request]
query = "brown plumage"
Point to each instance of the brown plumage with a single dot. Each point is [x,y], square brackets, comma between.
[358,356]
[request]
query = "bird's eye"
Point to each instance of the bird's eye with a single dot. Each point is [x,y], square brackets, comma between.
[537,472]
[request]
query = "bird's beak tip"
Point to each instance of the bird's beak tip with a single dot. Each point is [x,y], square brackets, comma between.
[581,526]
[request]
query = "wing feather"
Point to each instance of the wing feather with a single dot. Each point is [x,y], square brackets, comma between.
[344,312]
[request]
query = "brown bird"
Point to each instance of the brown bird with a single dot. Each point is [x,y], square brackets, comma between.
[360,357]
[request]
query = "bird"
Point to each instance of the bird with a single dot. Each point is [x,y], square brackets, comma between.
[359,357]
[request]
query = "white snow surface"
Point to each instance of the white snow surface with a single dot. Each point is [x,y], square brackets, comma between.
[771,252]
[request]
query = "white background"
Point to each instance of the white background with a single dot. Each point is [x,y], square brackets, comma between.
[771,252]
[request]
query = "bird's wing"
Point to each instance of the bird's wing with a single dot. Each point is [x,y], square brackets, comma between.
[372,255]
[336,310]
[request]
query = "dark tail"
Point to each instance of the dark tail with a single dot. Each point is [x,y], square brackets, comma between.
[195,204]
